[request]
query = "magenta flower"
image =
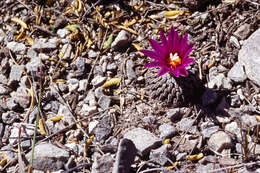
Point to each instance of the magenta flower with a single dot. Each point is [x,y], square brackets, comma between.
[171,55]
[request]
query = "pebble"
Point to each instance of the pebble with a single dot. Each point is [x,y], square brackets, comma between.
[9,117]
[27,132]
[219,141]
[73,84]
[112,67]
[104,102]
[186,125]
[92,125]
[207,132]
[92,54]
[98,81]
[237,73]
[33,67]
[144,140]
[125,156]
[31,53]
[173,114]
[67,116]
[11,104]
[80,66]
[234,129]
[233,40]
[82,85]
[160,155]
[249,57]
[249,120]
[48,157]
[121,41]
[99,92]
[220,81]
[103,129]
[22,97]
[130,72]
[243,31]
[91,99]
[167,131]
[44,45]
[63,32]
[3,90]
[102,163]
[15,74]
[88,110]
[18,48]
[66,52]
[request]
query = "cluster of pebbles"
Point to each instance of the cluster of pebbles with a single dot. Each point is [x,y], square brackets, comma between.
[145,123]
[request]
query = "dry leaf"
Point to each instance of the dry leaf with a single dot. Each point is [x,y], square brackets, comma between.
[3,162]
[258,118]
[111,82]
[19,21]
[167,141]
[173,166]
[57,118]
[41,127]
[195,156]
[173,14]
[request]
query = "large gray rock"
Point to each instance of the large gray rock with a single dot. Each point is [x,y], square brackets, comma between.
[249,57]
[49,157]
[144,140]
[219,141]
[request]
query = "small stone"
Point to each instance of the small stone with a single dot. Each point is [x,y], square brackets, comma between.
[98,81]
[31,53]
[9,117]
[243,31]
[237,73]
[186,125]
[249,120]
[173,114]
[220,81]
[144,140]
[249,57]
[103,129]
[207,132]
[149,119]
[66,51]
[3,79]
[79,65]
[11,104]
[88,110]
[18,48]
[219,141]
[49,157]
[82,85]
[234,129]
[27,132]
[160,155]
[3,90]
[73,84]
[99,92]
[92,54]
[22,97]
[122,164]
[92,125]
[181,156]
[63,87]
[227,161]
[235,101]
[63,32]
[112,67]
[233,40]
[131,75]
[166,131]
[102,164]
[240,94]
[209,96]
[91,99]
[43,45]
[104,102]
[2,35]
[121,41]
[15,74]
[67,116]
[33,67]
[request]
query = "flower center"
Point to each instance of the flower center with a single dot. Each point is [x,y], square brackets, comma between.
[174,60]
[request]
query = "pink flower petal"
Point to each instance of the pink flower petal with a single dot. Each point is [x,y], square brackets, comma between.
[183,72]
[152,64]
[163,38]
[162,71]
[188,61]
[151,54]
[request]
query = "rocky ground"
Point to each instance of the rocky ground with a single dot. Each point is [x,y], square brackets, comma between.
[74,67]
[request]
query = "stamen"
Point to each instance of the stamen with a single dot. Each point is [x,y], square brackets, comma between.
[174,60]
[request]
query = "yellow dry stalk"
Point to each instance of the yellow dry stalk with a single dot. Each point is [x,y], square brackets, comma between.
[167,141]
[41,127]
[195,156]
[29,39]
[173,166]
[3,162]
[89,43]
[111,82]
[175,13]
[57,81]
[132,22]
[67,10]
[258,117]
[56,118]
[20,22]
[88,143]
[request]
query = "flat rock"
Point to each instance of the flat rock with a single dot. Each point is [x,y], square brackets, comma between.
[43,45]
[160,155]
[102,164]
[219,141]
[166,131]
[15,74]
[49,157]
[186,125]
[144,140]
[16,47]
[121,41]
[249,57]
[234,129]
[103,129]
[237,73]
[243,31]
